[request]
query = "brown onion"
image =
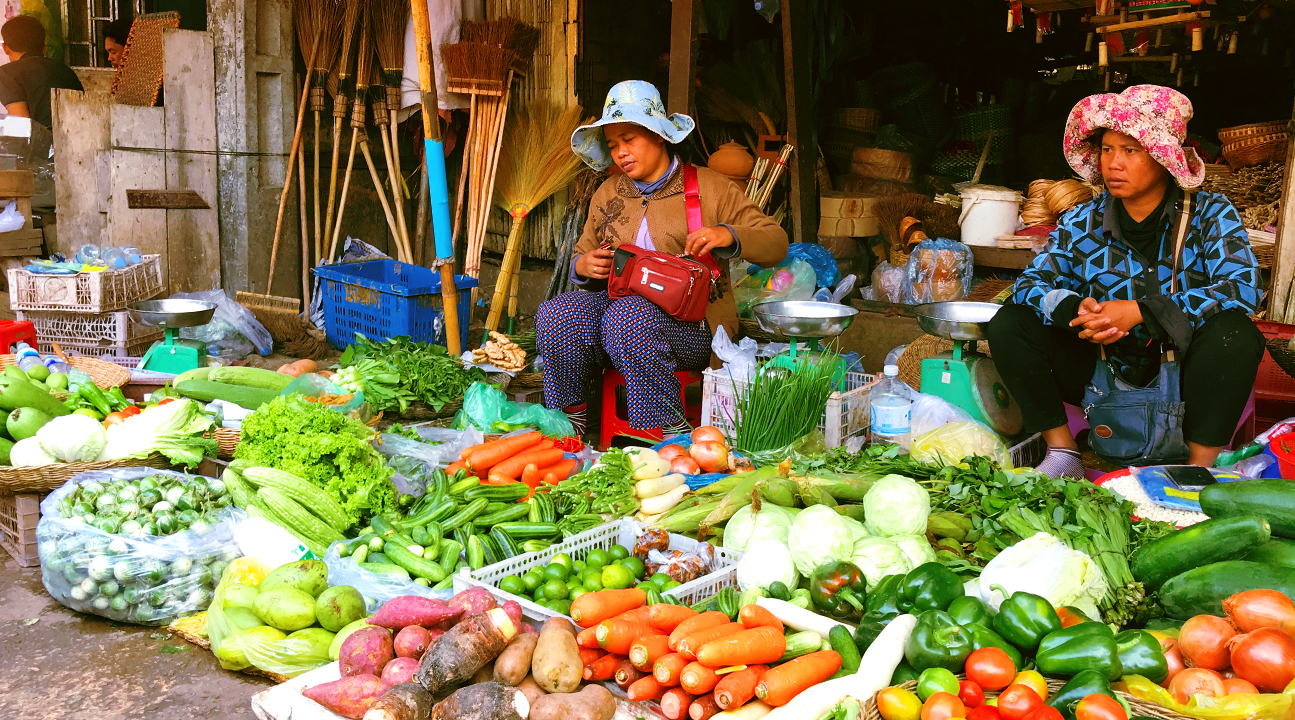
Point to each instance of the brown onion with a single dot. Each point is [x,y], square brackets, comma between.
[711,456]
[1204,642]
[1173,658]
[670,452]
[684,465]
[1265,657]
[707,433]
[1233,686]
[1254,609]
[1196,681]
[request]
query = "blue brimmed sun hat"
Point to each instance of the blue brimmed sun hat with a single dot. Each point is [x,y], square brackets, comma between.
[632,101]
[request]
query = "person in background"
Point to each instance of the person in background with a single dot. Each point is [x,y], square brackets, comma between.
[26,80]
[115,35]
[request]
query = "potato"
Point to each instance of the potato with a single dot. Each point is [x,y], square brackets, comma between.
[514,663]
[595,702]
[556,662]
[532,691]
[412,641]
[485,674]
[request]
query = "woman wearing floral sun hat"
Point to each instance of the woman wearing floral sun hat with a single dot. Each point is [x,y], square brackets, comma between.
[579,332]
[1111,288]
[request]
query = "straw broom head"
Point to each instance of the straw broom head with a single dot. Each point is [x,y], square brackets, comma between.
[354,10]
[324,16]
[389,19]
[466,62]
[505,32]
[365,57]
[536,159]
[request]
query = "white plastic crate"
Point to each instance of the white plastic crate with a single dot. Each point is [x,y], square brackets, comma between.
[846,417]
[94,335]
[1029,452]
[87,292]
[621,532]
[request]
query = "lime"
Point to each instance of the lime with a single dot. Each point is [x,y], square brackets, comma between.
[634,564]
[660,579]
[561,606]
[597,558]
[554,571]
[619,551]
[555,590]
[562,559]
[578,565]
[617,577]
[513,584]
[593,583]
[532,580]
[670,585]
[576,592]
[591,573]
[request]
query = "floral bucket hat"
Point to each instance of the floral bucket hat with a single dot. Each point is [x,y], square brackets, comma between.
[632,101]
[1153,115]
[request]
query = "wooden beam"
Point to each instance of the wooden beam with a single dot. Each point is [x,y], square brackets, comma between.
[1283,269]
[803,197]
[683,55]
[1179,19]
[165,200]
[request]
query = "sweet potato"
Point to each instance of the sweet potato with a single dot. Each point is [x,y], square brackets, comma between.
[485,674]
[408,701]
[514,610]
[464,649]
[412,641]
[399,671]
[398,613]
[366,651]
[483,701]
[531,690]
[556,662]
[514,663]
[474,600]
[594,702]
[349,697]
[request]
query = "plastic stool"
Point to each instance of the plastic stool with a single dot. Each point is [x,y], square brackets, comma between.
[13,332]
[612,422]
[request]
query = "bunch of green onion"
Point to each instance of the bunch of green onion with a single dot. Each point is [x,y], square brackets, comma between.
[782,405]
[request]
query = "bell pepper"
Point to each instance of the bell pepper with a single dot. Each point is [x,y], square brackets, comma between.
[982,636]
[870,626]
[91,393]
[1086,646]
[937,641]
[885,597]
[903,673]
[1141,654]
[1071,616]
[838,589]
[930,586]
[1083,684]
[967,610]
[1024,618]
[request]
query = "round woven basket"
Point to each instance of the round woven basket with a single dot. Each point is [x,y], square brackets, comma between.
[1140,707]
[104,374]
[227,439]
[860,119]
[898,258]
[48,478]
[1253,153]
[526,381]
[1240,132]
[910,363]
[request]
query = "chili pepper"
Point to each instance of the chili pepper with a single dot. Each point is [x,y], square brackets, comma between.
[982,637]
[937,641]
[1141,654]
[967,610]
[886,596]
[117,399]
[838,589]
[1024,618]
[1083,684]
[930,586]
[1085,646]
[93,395]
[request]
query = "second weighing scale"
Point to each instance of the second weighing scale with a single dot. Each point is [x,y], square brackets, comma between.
[963,376]
[808,320]
[173,354]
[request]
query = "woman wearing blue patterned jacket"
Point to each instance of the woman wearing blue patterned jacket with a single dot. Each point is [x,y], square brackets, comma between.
[1108,278]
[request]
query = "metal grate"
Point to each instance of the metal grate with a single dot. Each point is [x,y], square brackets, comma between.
[83,22]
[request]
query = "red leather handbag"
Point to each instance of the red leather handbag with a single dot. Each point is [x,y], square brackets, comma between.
[679,285]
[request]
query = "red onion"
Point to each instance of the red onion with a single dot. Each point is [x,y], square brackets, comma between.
[706,433]
[670,452]
[1196,681]
[710,456]
[684,465]
[1173,658]
[1265,657]
[1254,609]
[1233,686]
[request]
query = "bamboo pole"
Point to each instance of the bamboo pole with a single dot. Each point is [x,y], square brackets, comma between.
[512,250]
[287,181]
[305,234]
[397,237]
[346,186]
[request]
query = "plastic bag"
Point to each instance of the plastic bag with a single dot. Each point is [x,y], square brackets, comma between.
[237,317]
[376,588]
[1238,706]
[931,413]
[937,271]
[11,219]
[890,137]
[140,579]
[794,281]
[826,271]
[949,444]
[811,444]
[486,407]
[312,386]
[414,462]
[739,359]
[240,639]
[888,283]
[681,566]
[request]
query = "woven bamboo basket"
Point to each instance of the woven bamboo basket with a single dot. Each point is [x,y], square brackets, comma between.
[860,119]
[526,381]
[882,164]
[910,362]
[1230,135]
[1257,153]
[749,327]
[227,439]
[898,258]
[104,374]
[1140,707]
[48,478]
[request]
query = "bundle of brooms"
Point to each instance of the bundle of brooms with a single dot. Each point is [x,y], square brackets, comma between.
[937,221]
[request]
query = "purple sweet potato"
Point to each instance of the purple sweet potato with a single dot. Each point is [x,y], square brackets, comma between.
[406,610]
[525,628]
[408,701]
[474,600]
[514,610]
[464,649]
[400,670]
[483,701]
[366,651]
[349,697]
[412,641]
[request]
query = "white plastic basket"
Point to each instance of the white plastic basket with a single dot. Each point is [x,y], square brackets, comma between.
[846,416]
[1029,452]
[95,335]
[621,532]
[87,292]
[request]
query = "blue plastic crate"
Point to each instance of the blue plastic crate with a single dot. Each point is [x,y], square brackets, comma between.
[385,299]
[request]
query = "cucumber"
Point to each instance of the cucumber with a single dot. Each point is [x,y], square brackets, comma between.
[1277,552]
[476,553]
[386,569]
[1274,499]
[378,558]
[1201,544]
[416,564]
[507,546]
[460,487]
[465,515]
[388,532]
[513,511]
[450,550]
[511,491]
[843,643]
[361,554]
[530,530]
[1203,590]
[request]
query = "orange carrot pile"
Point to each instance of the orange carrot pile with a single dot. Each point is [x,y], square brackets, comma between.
[530,458]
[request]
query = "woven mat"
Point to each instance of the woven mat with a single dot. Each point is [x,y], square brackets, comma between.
[910,363]
[141,74]
[193,630]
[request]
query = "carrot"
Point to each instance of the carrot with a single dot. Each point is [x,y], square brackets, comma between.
[637,615]
[559,472]
[493,453]
[471,449]
[604,668]
[697,678]
[754,616]
[735,689]
[703,708]
[498,480]
[674,704]
[592,608]
[756,646]
[456,466]
[627,674]
[689,646]
[616,636]
[645,650]
[588,655]
[588,639]
[644,689]
[783,683]
[704,621]
[532,476]
[667,617]
[537,454]
[667,669]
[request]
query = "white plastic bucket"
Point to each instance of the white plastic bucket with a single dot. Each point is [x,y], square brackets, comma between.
[988,213]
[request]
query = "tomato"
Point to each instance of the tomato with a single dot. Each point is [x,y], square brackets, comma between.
[131,410]
[934,680]
[984,712]
[943,706]
[166,400]
[115,418]
[990,668]
[1034,681]
[896,703]
[1017,702]
[1044,712]
[1069,617]
[970,694]
[1100,707]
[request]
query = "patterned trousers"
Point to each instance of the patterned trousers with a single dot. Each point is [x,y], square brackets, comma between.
[577,332]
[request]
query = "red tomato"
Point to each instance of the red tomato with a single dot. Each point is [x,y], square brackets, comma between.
[984,712]
[1069,617]
[1099,707]
[131,410]
[942,706]
[990,668]
[115,418]
[166,400]
[1044,712]
[970,693]
[1017,702]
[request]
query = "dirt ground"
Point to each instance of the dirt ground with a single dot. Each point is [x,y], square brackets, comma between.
[56,664]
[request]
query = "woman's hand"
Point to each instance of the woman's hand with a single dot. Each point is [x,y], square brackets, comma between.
[1106,322]
[707,239]
[595,264]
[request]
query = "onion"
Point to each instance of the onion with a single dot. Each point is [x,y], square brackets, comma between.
[670,452]
[707,433]
[1233,686]
[1173,658]
[1265,657]
[710,456]
[1196,681]
[684,465]
[1203,641]
[1254,609]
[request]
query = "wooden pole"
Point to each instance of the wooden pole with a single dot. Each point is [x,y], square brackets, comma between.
[1283,269]
[512,251]
[683,55]
[803,198]
[346,186]
[305,225]
[287,181]
[396,236]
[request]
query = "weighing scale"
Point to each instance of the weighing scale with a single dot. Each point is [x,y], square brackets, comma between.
[174,354]
[808,320]
[963,376]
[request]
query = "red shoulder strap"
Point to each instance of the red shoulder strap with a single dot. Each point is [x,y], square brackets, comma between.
[692,205]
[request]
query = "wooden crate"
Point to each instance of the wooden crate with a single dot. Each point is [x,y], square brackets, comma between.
[19,514]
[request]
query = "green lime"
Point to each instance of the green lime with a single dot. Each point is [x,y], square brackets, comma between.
[634,564]
[556,590]
[562,559]
[578,565]
[670,585]
[561,606]
[593,583]
[619,551]
[591,573]
[597,558]
[617,577]
[513,584]
[533,580]
[576,592]
[554,571]
[660,579]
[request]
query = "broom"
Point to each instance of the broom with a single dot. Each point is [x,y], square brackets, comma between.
[389,19]
[537,161]
[350,25]
[324,17]
[382,120]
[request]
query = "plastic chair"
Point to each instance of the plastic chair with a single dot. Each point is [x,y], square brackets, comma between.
[613,424]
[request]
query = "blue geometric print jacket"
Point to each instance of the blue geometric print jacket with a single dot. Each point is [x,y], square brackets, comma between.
[1087,257]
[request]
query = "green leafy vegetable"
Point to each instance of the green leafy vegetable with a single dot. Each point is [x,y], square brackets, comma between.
[424,372]
[782,405]
[175,429]
[607,487]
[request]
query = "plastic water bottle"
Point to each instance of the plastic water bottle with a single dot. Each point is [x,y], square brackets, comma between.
[892,409]
[89,254]
[133,255]
[28,357]
[57,365]
[114,258]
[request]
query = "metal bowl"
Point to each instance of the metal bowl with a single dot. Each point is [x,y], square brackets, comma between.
[172,313]
[804,318]
[956,320]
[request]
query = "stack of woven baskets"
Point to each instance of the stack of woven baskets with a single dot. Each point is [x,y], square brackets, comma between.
[1251,144]
[971,132]
[847,129]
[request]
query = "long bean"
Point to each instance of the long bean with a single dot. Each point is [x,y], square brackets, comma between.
[606,488]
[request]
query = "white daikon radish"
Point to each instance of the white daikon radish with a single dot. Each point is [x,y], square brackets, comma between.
[661,503]
[646,468]
[658,486]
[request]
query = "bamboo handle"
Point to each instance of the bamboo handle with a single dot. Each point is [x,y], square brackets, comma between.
[305,232]
[397,197]
[319,229]
[346,186]
[505,274]
[512,294]
[287,180]
[332,176]
[382,198]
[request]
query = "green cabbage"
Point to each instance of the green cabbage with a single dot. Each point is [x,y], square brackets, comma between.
[1047,567]
[819,535]
[73,438]
[878,557]
[746,527]
[916,548]
[766,561]
[896,506]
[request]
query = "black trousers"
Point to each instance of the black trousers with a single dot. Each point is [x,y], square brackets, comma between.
[1045,366]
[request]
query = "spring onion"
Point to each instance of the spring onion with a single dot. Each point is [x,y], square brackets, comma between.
[782,405]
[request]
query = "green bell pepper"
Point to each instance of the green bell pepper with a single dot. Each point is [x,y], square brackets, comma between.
[982,636]
[930,586]
[1083,684]
[967,610]
[1086,646]
[886,596]
[870,626]
[1141,654]
[937,641]
[1024,618]
[903,673]
[838,590]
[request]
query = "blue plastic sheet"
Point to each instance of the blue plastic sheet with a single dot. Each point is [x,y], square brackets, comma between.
[694,481]
[826,271]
